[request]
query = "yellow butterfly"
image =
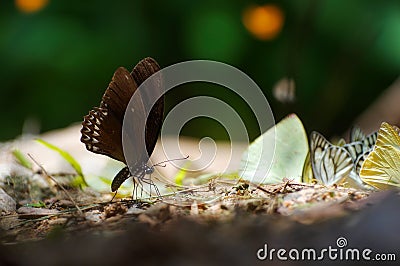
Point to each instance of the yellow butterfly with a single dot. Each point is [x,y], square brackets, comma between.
[381,168]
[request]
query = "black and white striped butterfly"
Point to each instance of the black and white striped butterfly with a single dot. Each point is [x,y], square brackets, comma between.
[360,143]
[359,147]
[330,164]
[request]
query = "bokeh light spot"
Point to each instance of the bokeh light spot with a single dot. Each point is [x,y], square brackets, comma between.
[30,6]
[264,22]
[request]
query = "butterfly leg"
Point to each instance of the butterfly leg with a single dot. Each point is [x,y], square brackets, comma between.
[150,182]
[137,182]
[135,189]
[115,194]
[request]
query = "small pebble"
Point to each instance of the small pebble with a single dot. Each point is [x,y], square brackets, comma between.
[7,204]
[93,216]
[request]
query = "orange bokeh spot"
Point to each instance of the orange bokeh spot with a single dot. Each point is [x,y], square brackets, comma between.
[29,6]
[264,22]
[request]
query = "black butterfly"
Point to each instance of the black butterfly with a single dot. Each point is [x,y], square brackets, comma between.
[102,127]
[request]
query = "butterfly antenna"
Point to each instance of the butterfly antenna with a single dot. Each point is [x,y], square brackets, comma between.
[162,164]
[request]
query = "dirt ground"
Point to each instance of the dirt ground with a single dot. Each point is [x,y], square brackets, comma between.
[223,223]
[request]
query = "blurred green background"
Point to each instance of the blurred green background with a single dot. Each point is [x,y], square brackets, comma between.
[57,57]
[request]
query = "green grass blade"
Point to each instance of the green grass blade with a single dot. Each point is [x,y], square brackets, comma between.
[181,174]
[22,159]
[39,204]
[105,180]
[80,180]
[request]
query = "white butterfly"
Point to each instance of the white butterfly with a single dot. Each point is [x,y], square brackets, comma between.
[360,143]
[330,164]
[381,168]
[356,134]
[359,147]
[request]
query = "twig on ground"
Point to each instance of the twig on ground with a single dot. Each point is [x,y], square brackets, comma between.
[58,184]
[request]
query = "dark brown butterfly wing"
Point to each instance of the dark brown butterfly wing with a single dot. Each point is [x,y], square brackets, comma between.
[120,178]
[119,92]
[140,73]
[102,127]
[143,119]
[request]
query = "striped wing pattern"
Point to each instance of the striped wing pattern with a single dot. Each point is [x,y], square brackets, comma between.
[356,134]
[360,146]
[330,164]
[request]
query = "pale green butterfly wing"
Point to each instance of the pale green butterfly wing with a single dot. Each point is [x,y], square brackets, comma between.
[291,148]
[330,164]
